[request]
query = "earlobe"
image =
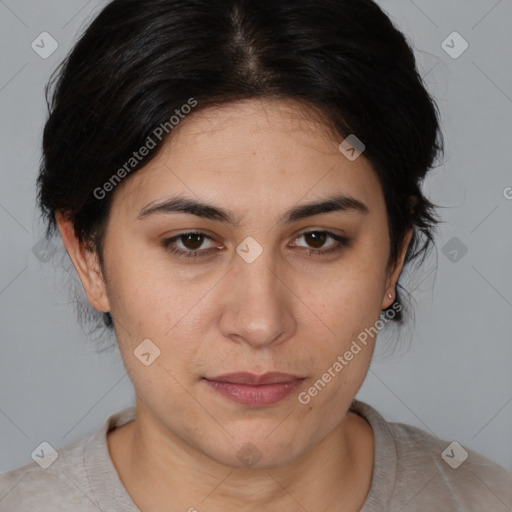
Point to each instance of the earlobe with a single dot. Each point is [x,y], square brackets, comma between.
[392,280]
[86,263]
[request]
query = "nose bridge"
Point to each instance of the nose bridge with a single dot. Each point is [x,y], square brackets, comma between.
[257,309]
[258,281]
[255,265]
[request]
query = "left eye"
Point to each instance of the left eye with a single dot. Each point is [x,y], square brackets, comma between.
[192,242]
[317,239]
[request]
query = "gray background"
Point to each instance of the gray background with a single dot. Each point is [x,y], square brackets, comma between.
[454,381]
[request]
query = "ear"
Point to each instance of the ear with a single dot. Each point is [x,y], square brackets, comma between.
[86,263]
[395,271]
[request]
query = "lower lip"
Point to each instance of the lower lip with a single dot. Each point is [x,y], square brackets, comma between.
[260,395]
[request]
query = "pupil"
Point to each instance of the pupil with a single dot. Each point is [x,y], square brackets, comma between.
[190,237]
[317,237]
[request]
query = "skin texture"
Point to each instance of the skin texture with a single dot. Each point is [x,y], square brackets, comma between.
[287,311]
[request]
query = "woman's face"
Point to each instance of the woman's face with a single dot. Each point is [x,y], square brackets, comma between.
[263,288]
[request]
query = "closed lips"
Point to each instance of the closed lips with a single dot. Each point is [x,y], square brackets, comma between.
[255,380]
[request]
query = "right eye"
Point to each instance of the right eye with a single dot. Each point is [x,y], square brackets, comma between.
[191,241]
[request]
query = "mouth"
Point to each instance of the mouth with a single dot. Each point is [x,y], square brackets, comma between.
[255,390]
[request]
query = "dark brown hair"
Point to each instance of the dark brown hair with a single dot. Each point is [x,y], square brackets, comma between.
[141,60]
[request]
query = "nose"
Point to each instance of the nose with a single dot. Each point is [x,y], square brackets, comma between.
[256,303]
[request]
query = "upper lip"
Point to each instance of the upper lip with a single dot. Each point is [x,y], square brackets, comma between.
[252,379]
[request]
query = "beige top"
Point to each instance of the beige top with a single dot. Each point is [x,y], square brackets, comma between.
[412,472]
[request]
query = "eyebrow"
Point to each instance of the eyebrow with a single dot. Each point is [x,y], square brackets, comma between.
[336,203]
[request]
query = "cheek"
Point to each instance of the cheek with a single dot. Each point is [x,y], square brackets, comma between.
[349,303]
[149,302]
[146,297]
[350,296]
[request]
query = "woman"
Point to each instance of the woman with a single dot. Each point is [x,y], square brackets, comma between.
[238,185]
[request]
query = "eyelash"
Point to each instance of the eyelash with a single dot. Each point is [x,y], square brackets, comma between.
[342,242]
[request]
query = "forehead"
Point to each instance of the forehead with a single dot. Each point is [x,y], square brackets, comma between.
[257,114]
[250,152]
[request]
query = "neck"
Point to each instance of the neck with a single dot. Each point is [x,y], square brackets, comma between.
[163,472]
